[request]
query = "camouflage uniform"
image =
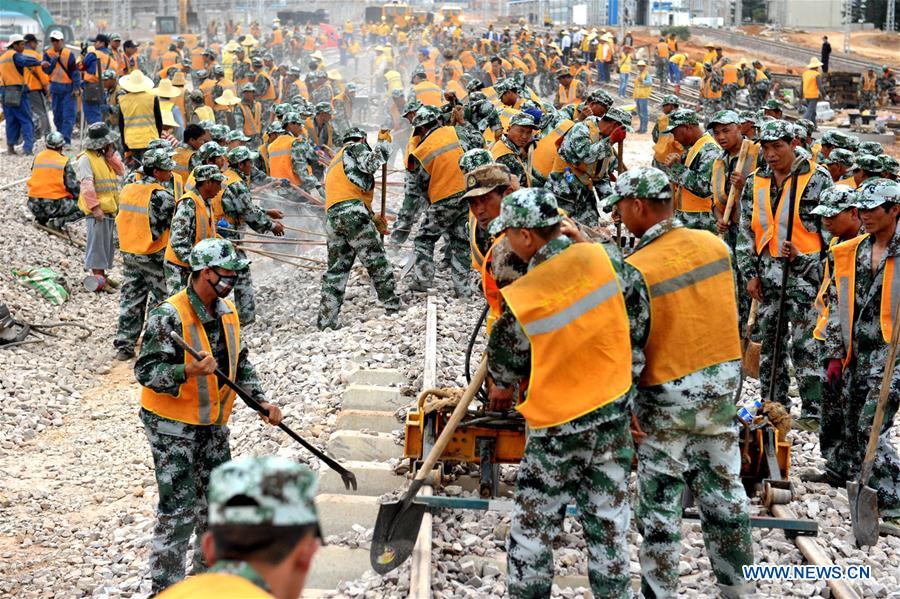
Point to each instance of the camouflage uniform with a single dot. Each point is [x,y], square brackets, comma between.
[803,283]
[861,379]
[412,205]
[586,460]
[144,278]
[57,213]
[446,217]
[238,116]
[343,109]
[261,85]
[697,178]
[303,157]
[712,105]
[352,232]
[323,93]
[759,92]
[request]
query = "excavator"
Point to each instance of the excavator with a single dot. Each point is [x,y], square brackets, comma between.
[22,17]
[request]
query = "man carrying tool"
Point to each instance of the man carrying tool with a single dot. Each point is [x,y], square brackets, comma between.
[16,107]
[782,185]
[185,408]
[291,155]
[514,147]
[556,319]
[263,531]
[691,173]
[53,186]
[352,226]
[866,293]
[38,88]
[65,83]
[680,293]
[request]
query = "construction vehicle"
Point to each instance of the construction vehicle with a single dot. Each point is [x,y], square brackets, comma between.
[185,26]
[452,15]
[394,13]
[303,17]
[23,17]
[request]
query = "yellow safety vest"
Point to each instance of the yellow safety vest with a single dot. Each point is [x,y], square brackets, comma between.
[106,185]
[214,585]
[339,188]
[439,155]
[641,89]
[547,147]
[810,87]
[821,306]
[133,220]
[428,93]
[139,119]
[501,149]
[182,160]
[47,180]
[279,158]
[204,225]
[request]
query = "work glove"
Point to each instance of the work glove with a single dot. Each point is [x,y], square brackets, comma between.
[833,373]
[284,182]
[385,135]
[618,135]
[380,224]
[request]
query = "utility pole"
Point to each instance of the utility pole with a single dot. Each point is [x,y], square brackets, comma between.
[848,17]
[889,24]
[738,13]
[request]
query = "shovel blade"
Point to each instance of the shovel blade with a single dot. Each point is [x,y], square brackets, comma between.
[395,535]
[863,513]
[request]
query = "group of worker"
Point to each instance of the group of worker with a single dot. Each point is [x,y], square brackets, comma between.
[516,183]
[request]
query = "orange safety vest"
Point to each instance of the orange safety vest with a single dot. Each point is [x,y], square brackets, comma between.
[868,83]
[133,220]
[685,270]
[810,87]
[588,173]
[501,149]
[128,63]
[572,310]
[729,74]
[270,90]
[204,224]
[570,95]
[35,78]
[9,74]
[314,137]
[821,306]
[279,158]
[489,286]
[252,120]
[207,88]
[428,93]
[182,160]
[103,62]
[339,188]
[216,202]
[849,181]
[169,59]
[197,60]
[845,275]
[719,172]
[688,201]
[662,49]
[47,180]
[706,90]
[474,252]
[771,232]
[59,73]
[138,119]
[547,147]
[309,43]
[439,155]
[200,400]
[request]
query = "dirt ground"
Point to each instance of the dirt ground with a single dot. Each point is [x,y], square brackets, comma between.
[875,44]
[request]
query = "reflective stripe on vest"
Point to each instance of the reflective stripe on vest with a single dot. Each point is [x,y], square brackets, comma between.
[133,220]
[34,76]
[106,185]
[821,306]
[204,225]
[47,180]
[688,201]
[139,119]
[546,149]
[252,120]
[339,188]
[182,160]
[59,74]
[439,155]
[474,251]
[500,148]
[693,304]
[428,93]
[200,400]
[9,74]
[770,232]
[572,310]
[280,163]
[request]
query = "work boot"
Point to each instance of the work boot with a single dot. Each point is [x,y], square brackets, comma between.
[10,149]
[124,355]
[416,285]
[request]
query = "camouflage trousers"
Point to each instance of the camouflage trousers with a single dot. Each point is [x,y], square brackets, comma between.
[797,343]
[590,468]
[351,234]
[143,282]
[413,205]
[758,95]
[176,277]
[55,213]
[575,198]
[244,300]
[867,101]
[449,218]
[693,443]
[729,96]
[710,107]
[183,457]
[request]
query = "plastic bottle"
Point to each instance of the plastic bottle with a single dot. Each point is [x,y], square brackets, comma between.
[568,174]
[747,413]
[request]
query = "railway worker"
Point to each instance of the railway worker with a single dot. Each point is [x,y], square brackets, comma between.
[866,168]
[97,60]
[320,133]
[53,186]
[514,147]
[352,226]
[886,84]
[141,120]
[434,178]
[291,155]
[624,69]
[834,138]
[857,336]
[65,83]
[663,52]
[643,87]
[184,408]
[264,87]
[669,104]
[16,107]
[38,84]
[868,91]
[750,126]
[321,91]
[838,163]
[710,89]
[569,91]
[569,443]
[192,223]
[343,109]
[685,402]
[762,250]
[267,548]
[248,114]
[691,172]
[840,217]
[812,89]
[759,92]
[145,215]
[731,83]
[890,167]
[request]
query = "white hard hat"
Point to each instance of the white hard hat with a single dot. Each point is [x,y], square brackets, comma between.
[56,35]
[15,38]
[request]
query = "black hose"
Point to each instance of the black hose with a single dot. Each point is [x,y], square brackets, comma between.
[481,395]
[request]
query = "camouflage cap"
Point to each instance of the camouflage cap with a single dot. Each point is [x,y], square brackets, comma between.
[298,100]
[807,125]
[836,199]
[562,73]
[799,131]
[158,158]
[527,208]
[413,105]
[839,139]
[292,117]
[889,164]
[275,127]
[645,183]
[839,156]
[201,73]
[55,140]
[196,96]
[473,159]
[749,116]
[600,96]
[397,93]
[474,85]
[426,115]
[350,87]
[206,125]
[505,85]
[236,135]
[219,131]
[209,150]
[682,116]
[208,172]
[773,105]
[215,251]
[293,70]
[218,71]
[256,61]
[323,107]
[724,117]
[866,162]
[619,116]
[523,119]
[281,108]
[160,144]
[670,99]
[108,74]
[872,148]
[248,87]
[240,154]
[419,71]
[354,133]
[876,192]
[776,129]
[485,179]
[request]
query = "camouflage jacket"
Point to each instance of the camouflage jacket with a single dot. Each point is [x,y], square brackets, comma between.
[805,269]
[162,207]
[160,365]
[698,180]
[237,204]
[183,228]
[260,84]
[303,156]
[322,93]
[515,162]
[417,178]
[194,161]
[712,381]
[506,266]
[509,355]
[361,162]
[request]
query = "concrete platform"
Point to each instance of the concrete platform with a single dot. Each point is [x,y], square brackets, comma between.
[344,445]
[372,397]
[333,565]
[385,377]
[338,513]
[372,478]
[373,420]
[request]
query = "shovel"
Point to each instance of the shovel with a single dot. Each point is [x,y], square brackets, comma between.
[398,522]
[863,498]
[348,477]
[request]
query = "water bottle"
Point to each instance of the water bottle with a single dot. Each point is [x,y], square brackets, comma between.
[569,176]
[746,414]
